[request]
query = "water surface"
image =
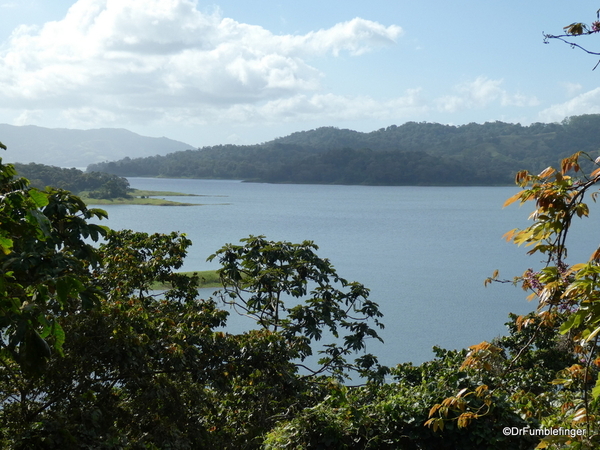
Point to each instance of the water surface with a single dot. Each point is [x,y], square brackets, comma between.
[423,251]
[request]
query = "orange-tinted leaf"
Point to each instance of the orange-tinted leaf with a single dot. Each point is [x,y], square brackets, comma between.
[522,177]
[434,409]
[511,200]
[581,415]
[509,234]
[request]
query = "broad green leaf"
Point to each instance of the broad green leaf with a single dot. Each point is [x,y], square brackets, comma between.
[596,389]
[572,322]
[59,337]
[6,245]
[39,198]
[44,227]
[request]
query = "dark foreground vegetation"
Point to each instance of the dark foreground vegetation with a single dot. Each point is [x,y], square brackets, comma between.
[91,357]
[410,154]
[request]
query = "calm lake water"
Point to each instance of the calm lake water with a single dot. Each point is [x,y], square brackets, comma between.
[424,252]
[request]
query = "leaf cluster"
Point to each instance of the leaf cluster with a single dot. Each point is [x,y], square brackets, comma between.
[288,289]
[556,344]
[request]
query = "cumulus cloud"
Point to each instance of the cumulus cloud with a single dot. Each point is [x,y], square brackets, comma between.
[586,103]
[331,106]
[109,59]
[480,93]
[127,62]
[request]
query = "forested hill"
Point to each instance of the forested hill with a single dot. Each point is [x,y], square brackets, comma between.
[410,154]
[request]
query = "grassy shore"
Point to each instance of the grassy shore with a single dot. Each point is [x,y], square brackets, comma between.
[208,279]
[141,197]
[144,193]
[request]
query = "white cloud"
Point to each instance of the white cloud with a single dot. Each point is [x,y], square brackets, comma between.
[330,106]
[27,117]
[572,88]
[126,62]
[305,108]
[586,103]
[480,93]
[140,59]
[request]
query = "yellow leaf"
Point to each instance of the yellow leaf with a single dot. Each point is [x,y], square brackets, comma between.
[595,173]
[450,401]
[440,424]
[593,334]
[577,267]
[481,389]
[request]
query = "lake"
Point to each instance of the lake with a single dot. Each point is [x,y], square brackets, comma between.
[424,252]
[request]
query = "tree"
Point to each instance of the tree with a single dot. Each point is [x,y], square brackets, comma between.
[45,265]
[566,322]
[129,366]
[575,30]
[149,370]
[259,276]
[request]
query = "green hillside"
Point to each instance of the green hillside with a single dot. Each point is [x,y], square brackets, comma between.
[410,154]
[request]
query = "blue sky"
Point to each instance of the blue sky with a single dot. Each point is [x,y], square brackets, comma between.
[245,72]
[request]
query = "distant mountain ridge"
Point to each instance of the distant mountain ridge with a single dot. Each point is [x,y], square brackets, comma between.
[410,154]
[64,147]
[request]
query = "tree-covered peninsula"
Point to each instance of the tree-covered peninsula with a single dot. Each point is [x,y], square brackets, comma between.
[95,184]
[410,154]
[97,188]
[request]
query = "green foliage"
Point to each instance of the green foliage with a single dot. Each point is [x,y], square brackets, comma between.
[391,416]
[260,275]
[44,267]
[145,259]
[134,373]
[148,371]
